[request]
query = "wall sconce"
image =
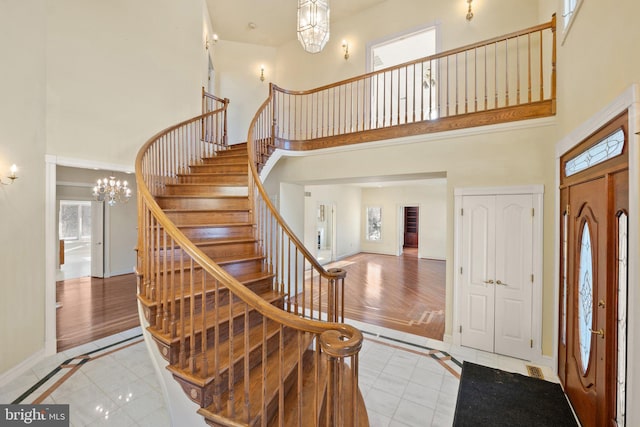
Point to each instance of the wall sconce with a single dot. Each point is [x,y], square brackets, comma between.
[211,41]
[469,12]
[345,48]
[262,73]
[12,175]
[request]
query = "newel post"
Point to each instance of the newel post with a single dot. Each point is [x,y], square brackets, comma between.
[342,377]
[335,295]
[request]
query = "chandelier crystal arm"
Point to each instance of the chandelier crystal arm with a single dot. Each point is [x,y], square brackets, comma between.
[112,191]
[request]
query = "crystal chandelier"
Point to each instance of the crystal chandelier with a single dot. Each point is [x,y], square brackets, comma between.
[313,24]
[112,191]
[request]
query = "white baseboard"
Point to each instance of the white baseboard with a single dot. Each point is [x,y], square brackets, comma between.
[22,367]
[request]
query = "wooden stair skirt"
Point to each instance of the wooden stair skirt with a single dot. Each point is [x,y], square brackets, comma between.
[241,368]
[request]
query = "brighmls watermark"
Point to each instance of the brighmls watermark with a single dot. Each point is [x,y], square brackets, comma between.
[34,415]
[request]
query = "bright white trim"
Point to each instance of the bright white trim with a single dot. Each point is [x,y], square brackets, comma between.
[50,233]
[537,191]
[92,164]
[21,368]
[628,100]
[483,191]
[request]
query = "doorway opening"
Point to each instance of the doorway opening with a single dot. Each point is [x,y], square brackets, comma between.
[411,227]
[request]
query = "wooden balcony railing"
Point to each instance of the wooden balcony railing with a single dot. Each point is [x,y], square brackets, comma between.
[506,78]
[211,103]
[203,317]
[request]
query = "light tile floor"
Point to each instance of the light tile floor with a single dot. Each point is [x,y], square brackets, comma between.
[406,380]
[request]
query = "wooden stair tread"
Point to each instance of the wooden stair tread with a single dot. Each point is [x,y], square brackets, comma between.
[177,210]
[204,184]
[245,279]
[237,309]
[272,384]
[232,224]
[202,379]
[199,196]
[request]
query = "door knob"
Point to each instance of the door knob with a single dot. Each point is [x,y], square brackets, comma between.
[500,283]
[598,332]
[488,281]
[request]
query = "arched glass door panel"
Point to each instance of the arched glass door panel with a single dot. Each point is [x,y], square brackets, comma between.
[585,296]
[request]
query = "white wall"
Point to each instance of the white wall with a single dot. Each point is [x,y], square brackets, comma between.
[238,78]
[347,199]
[430,197]
[22,141]
[118,72]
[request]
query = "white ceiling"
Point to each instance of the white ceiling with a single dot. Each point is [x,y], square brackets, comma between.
[274,20]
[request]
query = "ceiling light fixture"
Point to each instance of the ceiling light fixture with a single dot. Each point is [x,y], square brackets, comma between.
[313,24]
[112,190]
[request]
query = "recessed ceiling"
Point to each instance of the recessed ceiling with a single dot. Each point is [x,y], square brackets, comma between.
[275,20]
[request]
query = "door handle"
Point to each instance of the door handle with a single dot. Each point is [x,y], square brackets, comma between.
[488,281]
[598,332]
[500,283]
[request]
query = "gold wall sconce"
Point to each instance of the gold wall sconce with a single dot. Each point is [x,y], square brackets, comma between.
[12,175]
[213,39]
[262,73]
[469,11]
[345,48]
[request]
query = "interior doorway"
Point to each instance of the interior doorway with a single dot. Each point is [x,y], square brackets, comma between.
[326,232]
[411,227]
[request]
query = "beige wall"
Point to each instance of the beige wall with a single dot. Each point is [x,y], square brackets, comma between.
[430,197]
[297,69]
[89,80]
[237,68]
[22,141]
[347,202]
[118,72]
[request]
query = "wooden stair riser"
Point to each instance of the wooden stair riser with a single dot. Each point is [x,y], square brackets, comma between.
[204,395]
[171,351]
[200,217]
[232,158]
[209,190]
[219,231]
[240,267]
[235,167]
[289,381]
[215,251]
[204,203]
[218,178]
[150,309]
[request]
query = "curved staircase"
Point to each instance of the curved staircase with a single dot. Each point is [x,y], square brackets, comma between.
[226,319]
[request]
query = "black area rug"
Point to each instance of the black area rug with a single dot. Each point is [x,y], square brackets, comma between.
[491,397]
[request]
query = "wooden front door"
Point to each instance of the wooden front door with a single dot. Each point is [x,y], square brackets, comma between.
[592,200]
[411,227]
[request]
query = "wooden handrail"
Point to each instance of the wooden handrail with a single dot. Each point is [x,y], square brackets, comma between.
[174,273]
[505,78]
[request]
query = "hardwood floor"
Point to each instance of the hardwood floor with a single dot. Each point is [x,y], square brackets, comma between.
[93,308]
[404,293]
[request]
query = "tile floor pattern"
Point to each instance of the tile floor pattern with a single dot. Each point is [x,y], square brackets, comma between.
[406,380]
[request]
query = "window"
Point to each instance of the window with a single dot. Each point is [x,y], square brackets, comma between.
[605,149]
[569,11]
[75,220]
[374,223]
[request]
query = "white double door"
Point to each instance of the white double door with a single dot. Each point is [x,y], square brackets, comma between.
[497,274]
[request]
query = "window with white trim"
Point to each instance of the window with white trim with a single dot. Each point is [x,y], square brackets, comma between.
[569,11]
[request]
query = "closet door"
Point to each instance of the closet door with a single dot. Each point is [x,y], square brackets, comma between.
[513,279]
[497,268]
[478,272]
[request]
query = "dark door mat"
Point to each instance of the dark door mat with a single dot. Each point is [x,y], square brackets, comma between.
[491,397]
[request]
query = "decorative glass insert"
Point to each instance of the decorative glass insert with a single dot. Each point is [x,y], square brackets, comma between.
[606,149]
[374,223]
[585,296]
[623,228]
[565,223]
